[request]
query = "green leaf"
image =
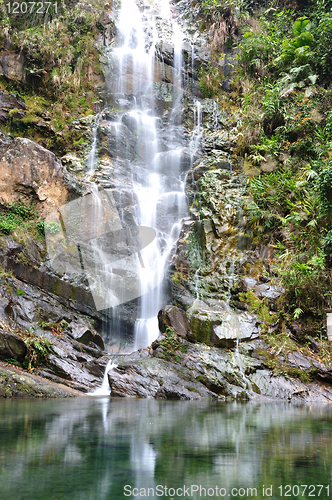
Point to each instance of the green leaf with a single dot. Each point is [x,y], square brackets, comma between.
[300,25]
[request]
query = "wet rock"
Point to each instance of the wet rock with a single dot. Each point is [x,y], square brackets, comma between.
[9,103]
[220,140]
[292,390]
[248,284]
[73,163]
[12,346]
[219,371]
[17,383]
[270,292]
[296,359]
[174,318]
[12,65]
[118,139]
[219,325]
[73,364]
[78,363]
[310,366]
[155,378]
[85,336]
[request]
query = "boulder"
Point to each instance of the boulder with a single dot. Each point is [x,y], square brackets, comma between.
[174,318]
[218,325]
[12,346]
[28,168]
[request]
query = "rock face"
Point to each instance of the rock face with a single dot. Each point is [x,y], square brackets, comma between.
[174,368]
[12,65]
[177,369]
[76,355]
[11,103]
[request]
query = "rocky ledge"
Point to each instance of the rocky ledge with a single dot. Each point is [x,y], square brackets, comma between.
[174,368]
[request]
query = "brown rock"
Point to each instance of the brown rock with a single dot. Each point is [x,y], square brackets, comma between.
[26,167]
[12,65]
[174,318]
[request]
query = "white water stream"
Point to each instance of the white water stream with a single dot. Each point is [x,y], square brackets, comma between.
[152,142]
[158,178]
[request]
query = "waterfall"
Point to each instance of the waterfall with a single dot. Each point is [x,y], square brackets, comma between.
[104,389]
[156,162]
[121,235]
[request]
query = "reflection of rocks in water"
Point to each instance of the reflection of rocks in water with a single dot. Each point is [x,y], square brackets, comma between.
[92,448]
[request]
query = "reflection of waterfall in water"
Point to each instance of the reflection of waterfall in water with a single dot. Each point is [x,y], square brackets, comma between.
[94,446]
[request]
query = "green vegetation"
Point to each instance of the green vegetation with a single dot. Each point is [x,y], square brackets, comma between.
[210,82]
[282,87]
[38,351]
[286,99]
[173,346]
[62,69]
[258,306]
[55,328]
[19,218]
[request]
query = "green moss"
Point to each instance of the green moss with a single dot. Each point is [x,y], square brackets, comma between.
[172,345]
[258,306]
[210,81]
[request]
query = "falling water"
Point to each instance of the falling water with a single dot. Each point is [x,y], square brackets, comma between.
[104,389]
[149,144]
[158,178]
[91,160]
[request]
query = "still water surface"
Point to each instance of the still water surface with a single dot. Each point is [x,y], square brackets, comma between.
[91,448]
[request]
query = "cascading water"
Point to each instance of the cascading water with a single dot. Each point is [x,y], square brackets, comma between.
[104,389]
[155,147]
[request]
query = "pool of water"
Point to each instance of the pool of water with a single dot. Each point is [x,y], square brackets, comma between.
[102,448]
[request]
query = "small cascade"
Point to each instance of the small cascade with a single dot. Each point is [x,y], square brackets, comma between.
[104,389]
[231,272]
[91,160]
[239,363]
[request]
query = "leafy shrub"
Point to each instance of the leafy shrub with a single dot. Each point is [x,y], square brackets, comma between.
[18,215]
[297,51]
[8,224]
[38,351]
[323,49]
[18,208]
[325,186]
